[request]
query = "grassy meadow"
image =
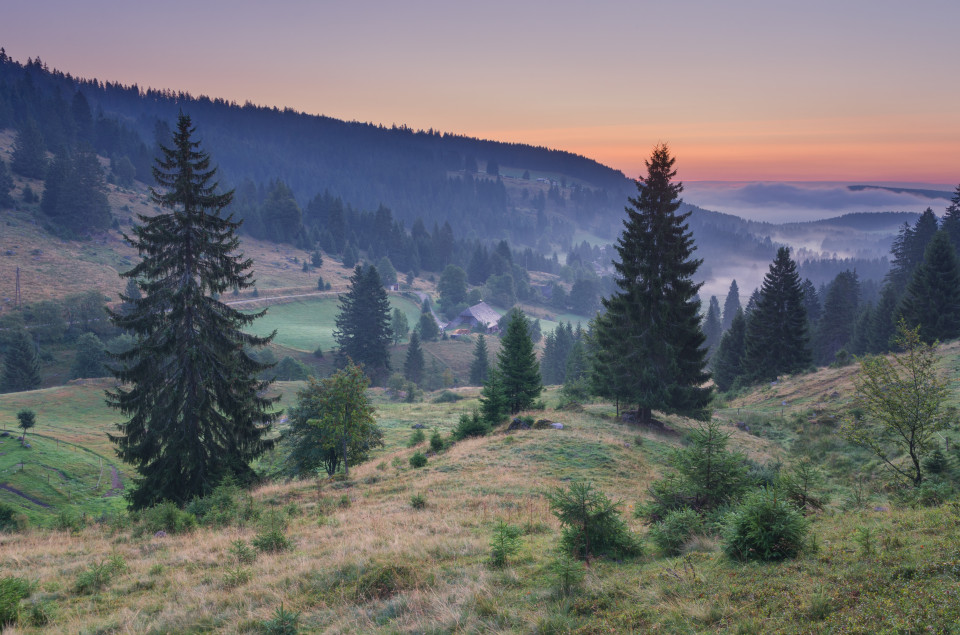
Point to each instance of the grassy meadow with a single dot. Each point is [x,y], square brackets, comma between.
[363,558]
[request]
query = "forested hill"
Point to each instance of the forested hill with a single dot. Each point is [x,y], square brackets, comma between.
[480,187]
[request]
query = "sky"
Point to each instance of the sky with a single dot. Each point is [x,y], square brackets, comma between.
[741,90]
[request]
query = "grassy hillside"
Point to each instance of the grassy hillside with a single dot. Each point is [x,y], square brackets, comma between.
[363,559]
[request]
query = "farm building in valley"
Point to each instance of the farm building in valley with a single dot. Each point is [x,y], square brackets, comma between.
[478,314]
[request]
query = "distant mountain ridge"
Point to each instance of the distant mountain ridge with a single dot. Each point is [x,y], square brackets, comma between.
[926,193]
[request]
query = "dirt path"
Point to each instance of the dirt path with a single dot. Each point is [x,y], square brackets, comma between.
[14,490]
[116,483]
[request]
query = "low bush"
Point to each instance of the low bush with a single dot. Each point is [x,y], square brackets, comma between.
[418,460]
[447,396]
[436,441]
[676,528]
[12,590]
[766,526]
[470,426]
[11,520]
[416,438]
[165,517]
[591,523]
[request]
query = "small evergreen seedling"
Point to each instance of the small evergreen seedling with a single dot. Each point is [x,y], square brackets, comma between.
[504,544]
[418,460]
[436,441]
[418,501]
[416,438]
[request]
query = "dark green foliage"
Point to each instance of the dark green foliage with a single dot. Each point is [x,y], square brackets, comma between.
[452,287]
[504,544]
[282,218]
[416,438]
[727,361]
[776,340]
[91,358]
[950,223]
[556,350]
[429,331]
[166,517]
[731,305]
[123,171]
[932,299]
[95,578]
[191,392]
[707,476]
[591,523]
[363,324]
[26,419]
[271,537]
[811,302]
[21,366]
[836,326]
[29,157]
[226,505]
[74,195]
[413,363]
[418,460]
[399,327]
[480,367]
[765,527]
[388,275]
[10,520]
[676,528]
[418,501]
[332,415]
[803,484]
[12,590]
[6,186]
[470,425]
[909,248]
[436,441]
[649,339]
[517,365]
[583,297]
[712,326]
[290,369]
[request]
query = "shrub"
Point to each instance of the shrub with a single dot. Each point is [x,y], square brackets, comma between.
[504,544]
[68,521]
[591,523]
[418,460]
[418,501]
[470,426]
[41,613]
[94,578]
[436,441]
[676,528]
[10,520]
[416,438]
[765,527]
[236,576]
[166,517]
[283,622]
[12,590]
[240,550]
[447,396]
[271,537]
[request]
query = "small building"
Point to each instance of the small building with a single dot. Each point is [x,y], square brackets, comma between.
[477,315]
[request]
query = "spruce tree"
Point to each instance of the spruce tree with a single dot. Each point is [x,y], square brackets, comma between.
[194,404]
[29,153]
[712,326]
[811,302]
[493,399]
[840,311]
[480,367]
[727,362]
[413,363]
[776,336]
[932,300]
[21,367]
[363,332]
[950,223]
[649,336]
[517,365]
[429,331]
[731,306]
[6,185]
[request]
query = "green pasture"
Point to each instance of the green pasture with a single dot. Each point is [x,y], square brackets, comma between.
[306,325]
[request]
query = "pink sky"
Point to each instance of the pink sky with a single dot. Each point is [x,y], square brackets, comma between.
[742,90]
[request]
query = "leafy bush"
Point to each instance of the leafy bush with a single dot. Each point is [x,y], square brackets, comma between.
[418,501]
[418,460]
[470,426]
[165,517]
[10,520]
[436,441]
[447,396]
[676,528]
[504,544]
[765,527]
[591,523]
[12,590]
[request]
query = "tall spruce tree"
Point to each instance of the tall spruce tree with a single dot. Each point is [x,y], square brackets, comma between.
[712,326]
[932,300]
[29,153]
[413,362]
[731,305]
[6,186]
[191,392]
[363,331]
[21,366]
[840,311]
[517,365]
[727,362]
[649,336]
[480,367]
[776,336]
[951,220]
